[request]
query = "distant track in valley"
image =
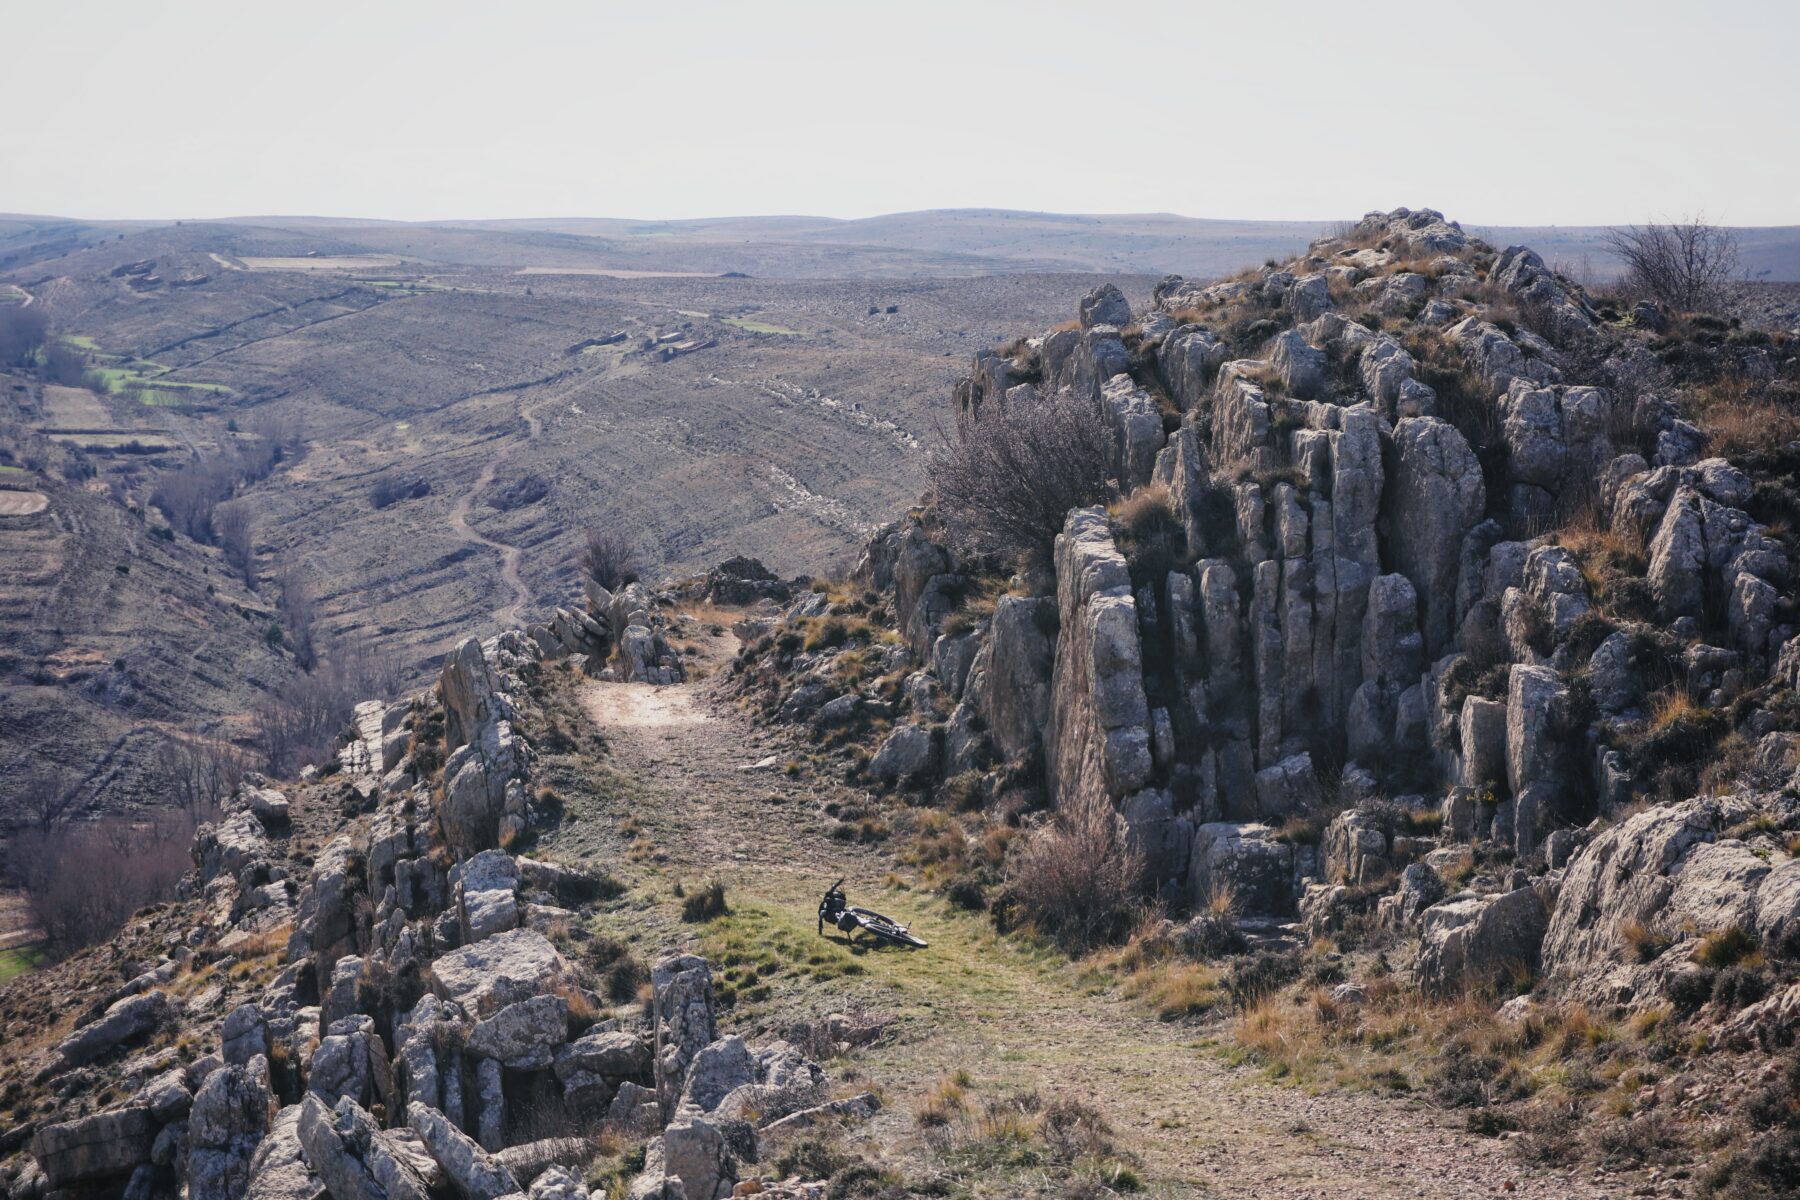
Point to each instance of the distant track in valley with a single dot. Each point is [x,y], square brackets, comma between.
[511,557]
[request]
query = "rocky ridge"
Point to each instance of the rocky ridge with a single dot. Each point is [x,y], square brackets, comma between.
[410,1027]
[1459,585]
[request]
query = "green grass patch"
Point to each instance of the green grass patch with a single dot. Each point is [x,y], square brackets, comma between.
[81,341]
[146,382]
[18,961]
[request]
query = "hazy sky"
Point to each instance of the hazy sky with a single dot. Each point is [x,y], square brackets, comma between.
[1568,112]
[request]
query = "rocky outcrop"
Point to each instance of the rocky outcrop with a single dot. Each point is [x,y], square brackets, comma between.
[1476,940]
[1098,740]
[1437,498]
[1634,901]
[104,1146]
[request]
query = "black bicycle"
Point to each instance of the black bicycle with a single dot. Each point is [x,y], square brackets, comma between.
[836,911]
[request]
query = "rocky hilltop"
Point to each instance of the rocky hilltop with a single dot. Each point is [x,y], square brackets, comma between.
[1439,608]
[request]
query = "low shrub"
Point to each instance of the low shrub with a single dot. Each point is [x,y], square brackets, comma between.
[706,903]
[1007,482]
[1261,974]
[1077,880]
[1739,987]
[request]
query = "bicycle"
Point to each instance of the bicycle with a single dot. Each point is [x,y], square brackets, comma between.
[847,918]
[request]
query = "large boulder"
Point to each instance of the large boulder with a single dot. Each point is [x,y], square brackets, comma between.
[502,970]
[610,1054]
[682,987]
[1472,940]
[695,1151]
[475,1173]
[278,1169]
[716,1071]
[355,1158]
[1136,425]
[467,687]
[486,894]
[1105,305]
[1536,758]
[231,1115]
[1436,498]
[1097,744]
[1011,685]
[740,581]
[907,752]
[129,1018]
[523,1036]
[1244,861]
[102,1146]
[1300,367]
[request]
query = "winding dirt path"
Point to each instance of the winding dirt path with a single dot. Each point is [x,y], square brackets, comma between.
[703,784]
[511,557]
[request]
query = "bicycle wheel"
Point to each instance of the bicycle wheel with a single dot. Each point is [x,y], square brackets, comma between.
[888,930]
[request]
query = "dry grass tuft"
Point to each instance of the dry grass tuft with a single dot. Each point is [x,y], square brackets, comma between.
[1740,416]
[1668,708]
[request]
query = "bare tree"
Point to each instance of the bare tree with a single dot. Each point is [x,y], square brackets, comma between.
[301,723]
[231,525]
[1682,265]
[1007,481]
[83,879]
[299,615]
[609,558]
[22,332]
[49,798]
[198,773]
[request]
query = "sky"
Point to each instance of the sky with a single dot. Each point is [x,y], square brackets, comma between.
[1523,112]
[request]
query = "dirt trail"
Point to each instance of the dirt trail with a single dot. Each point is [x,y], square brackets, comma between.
[510,556]
[513,615]
[1012,1017]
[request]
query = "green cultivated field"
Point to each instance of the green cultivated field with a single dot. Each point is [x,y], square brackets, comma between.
[18,961]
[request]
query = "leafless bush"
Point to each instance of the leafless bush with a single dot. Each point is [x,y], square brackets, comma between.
[198,772]
[1077,880]
[390,490]
[609,558]
[190,495]
[65,366]
[83,880]
[1009,478]
[1683,265]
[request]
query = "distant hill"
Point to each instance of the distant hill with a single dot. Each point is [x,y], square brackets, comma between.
[932,244]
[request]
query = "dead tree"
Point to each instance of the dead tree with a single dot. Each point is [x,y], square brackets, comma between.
[1683,266]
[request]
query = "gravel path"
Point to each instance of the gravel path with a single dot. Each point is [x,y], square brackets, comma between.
[1200,1126]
